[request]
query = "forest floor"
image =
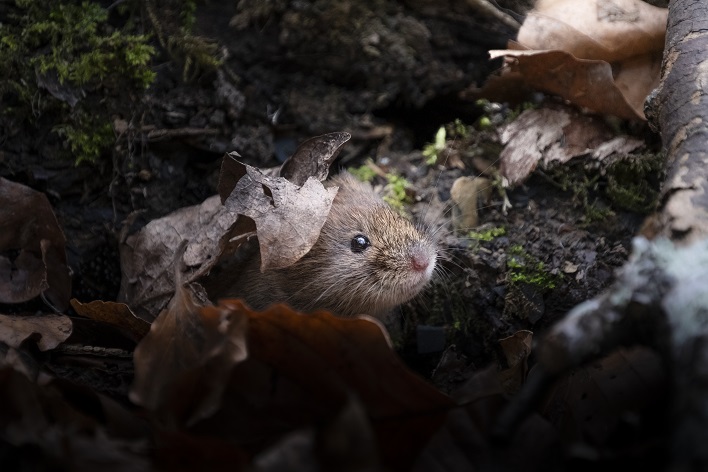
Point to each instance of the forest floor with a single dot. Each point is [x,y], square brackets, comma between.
[557,244]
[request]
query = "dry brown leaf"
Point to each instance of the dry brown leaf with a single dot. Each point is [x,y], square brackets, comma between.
[117,314]
[302,370]
[148,258]
[32,248]
[556,134]
[50,330]
[604,56]
[313,158]
[176,451]
[589,404]
[516,349]
[592,84]
[182,364]
[288,218]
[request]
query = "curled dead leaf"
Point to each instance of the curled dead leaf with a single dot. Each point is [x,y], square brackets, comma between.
[313,158]
[182,364]
[117,314]
[288,217]
[32,248]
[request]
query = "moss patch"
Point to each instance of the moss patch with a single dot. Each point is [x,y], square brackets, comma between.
[364,173]
[488,234]
[525,269]
[57,63]
[633,183]
[396,194]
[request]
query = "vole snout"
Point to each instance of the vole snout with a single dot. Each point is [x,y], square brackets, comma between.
[421,259]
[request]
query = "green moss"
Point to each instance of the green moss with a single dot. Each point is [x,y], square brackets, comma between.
[396,194]
[364,173]
[174,32]
[633,183]
[86,140]
[75,42]
[485,122]
[487,235]
[459,129]
[583,183]
[58,60]
[432,150]
[526,269]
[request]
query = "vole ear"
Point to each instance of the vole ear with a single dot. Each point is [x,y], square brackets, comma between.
[352,190]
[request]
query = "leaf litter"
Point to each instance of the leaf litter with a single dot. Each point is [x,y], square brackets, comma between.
[602,56]
[228,384]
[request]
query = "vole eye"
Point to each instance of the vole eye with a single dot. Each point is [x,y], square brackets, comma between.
[359,243]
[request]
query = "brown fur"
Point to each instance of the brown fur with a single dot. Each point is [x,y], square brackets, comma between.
[333,277]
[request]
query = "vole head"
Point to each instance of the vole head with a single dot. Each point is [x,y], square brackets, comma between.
[368,258]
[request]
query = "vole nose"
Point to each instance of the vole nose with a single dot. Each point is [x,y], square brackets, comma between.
[419,260]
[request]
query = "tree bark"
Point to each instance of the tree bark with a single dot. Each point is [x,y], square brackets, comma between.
[679,110]
[660,296]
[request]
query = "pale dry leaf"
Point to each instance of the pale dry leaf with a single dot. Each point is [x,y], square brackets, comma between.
[466,193]
[556,135]
[595,29]
[50,329]
[32,248]
[148,257]
[288,218]
[527,139]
